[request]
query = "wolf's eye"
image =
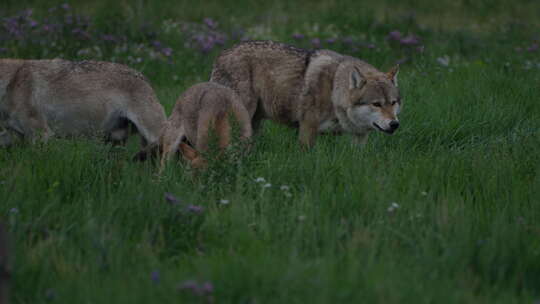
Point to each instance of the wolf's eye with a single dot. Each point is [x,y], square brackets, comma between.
[377,104]
[394,102]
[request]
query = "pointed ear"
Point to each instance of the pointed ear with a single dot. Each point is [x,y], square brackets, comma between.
[356,79]
[188,152]
[392,74]
[192,156]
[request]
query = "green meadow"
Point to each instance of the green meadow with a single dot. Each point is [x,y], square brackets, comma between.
[446,210]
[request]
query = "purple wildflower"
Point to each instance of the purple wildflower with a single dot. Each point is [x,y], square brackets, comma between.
[370,46]
[108,37]
[155,276]
[402,60]
[156,44]
[220,39]
[316,42]
[171,199]
[27,13]
[189,285]
[410,40]
[420,49]
[237,34]
[33,23]
[298,36]
[331,40]
[205,288]
[65,6]
[347,40]
[69,19]
[195,209]
[210,23]
[533,48]
[394,35]
[167,51]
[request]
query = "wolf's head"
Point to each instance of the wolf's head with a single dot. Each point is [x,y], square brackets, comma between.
[369,100]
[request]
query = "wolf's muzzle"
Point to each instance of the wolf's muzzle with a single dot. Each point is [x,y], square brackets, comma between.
[394,124]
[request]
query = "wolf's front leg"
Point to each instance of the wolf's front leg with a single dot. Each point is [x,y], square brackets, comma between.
[309,127]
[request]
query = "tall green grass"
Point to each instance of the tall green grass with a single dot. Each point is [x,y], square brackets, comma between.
[444,211]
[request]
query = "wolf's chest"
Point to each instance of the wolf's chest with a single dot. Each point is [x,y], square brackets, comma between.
[330,125]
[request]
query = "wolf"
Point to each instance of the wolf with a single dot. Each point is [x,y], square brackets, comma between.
[201,107]
[44,98]
[316,91]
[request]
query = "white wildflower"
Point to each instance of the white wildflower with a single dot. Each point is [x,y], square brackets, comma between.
[444,61]
[393,206]
[260,180]
[284,188]
[267,185]
[224,201]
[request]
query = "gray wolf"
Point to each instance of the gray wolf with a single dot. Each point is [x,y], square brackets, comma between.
[316,91]
[44,98]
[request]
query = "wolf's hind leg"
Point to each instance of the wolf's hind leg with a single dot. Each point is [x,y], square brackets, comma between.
[6,139]
[223,130]
[118,132]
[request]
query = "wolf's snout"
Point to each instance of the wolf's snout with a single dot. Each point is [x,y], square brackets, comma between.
[394,124]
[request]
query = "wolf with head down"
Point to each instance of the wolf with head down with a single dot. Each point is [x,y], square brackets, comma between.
[317,91]
[42,98]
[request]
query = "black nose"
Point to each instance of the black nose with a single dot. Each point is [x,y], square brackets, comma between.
[394,124]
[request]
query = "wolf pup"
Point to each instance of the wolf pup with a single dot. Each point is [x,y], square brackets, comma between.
[201,107]
[42,98]
[317,91]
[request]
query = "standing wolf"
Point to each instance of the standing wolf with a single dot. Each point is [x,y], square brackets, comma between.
[199,109]
[41,98]
[319,91]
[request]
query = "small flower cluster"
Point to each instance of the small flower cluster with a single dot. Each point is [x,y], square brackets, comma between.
[393,207]
[262,181]
[63,32]
[350,44]
[199,289]
[189,208]
[203,37]
[286,190]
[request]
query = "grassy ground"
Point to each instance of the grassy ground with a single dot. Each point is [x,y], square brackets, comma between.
[447,210]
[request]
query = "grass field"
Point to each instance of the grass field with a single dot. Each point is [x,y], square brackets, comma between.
[447,210]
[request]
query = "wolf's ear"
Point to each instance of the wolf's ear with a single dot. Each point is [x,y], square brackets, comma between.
[188,152]
[392,74]
[356,80]
[192,156]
